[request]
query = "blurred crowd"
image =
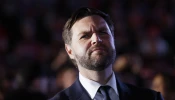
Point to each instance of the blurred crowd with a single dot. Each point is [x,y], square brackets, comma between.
[34,64]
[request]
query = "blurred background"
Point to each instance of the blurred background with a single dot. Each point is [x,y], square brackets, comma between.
[35,66]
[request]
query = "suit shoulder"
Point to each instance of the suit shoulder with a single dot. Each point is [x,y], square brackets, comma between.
[140,90]
[62,95]
[144,92]
[135,88]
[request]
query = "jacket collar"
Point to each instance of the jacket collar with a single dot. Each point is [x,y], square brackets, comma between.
[124,91]
[77,92]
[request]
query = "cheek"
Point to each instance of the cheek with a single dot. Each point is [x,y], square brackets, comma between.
[111,43]
[80,49]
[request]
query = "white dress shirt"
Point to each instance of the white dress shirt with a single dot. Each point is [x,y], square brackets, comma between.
[92,87]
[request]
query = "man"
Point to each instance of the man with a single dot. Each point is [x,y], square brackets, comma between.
[89,42]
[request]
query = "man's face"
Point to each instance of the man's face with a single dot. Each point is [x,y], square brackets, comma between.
[92,45]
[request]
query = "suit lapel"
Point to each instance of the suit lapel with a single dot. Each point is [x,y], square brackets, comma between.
[77,92]
[124,91]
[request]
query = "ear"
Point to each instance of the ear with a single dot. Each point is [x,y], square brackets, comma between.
[69,51]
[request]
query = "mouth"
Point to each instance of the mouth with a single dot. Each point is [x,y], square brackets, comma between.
[99,49]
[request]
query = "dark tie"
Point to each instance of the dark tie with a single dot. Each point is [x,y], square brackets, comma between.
[104,90]
[106,93]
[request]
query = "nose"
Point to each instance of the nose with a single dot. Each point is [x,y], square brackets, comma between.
[95,38]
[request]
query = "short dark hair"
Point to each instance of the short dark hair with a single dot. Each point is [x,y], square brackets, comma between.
[79,14]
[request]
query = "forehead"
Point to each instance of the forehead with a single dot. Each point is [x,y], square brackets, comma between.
[94,21]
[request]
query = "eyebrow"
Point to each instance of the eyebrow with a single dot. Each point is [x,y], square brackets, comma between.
[102,27]
[83,32]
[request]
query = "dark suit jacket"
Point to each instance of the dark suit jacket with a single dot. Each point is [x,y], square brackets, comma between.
[126,92]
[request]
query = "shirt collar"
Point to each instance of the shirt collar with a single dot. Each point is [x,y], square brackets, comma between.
[91,86]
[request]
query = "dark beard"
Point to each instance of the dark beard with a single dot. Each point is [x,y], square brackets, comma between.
[103,61]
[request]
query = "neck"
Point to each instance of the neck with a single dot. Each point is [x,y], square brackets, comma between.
[101,77]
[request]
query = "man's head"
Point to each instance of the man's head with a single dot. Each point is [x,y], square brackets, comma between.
[89,39]
[79,14]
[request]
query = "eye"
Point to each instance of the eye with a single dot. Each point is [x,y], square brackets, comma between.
[84,36]
[103,32]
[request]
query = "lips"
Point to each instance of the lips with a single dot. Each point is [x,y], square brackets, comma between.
[98,49]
